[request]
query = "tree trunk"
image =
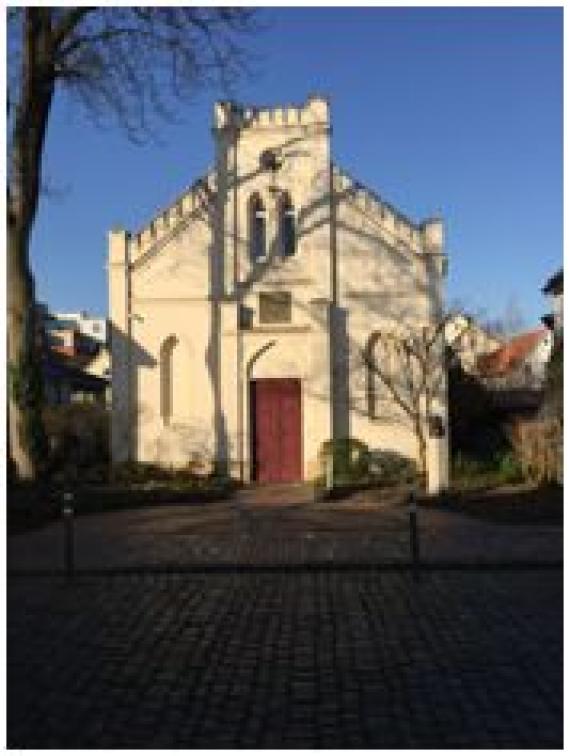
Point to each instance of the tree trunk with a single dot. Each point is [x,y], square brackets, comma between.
[36,89]
[24,385]
[422,451]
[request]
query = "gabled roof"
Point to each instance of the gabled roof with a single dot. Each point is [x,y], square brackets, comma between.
[555,284]
[511,354]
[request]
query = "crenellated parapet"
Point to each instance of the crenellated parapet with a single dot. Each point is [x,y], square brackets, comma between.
[426,236]
[230,115]
[197,198]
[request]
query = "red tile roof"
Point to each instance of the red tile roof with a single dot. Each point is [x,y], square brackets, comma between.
[511,354]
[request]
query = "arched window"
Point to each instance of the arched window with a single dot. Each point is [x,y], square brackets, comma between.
[287,234]
[167,378]
[257,229]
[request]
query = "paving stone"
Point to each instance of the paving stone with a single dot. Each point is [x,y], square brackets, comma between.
[350,659]
[265,527]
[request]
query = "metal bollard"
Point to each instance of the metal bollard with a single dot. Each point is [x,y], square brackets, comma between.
[68,535]
[414,539]
[329,473]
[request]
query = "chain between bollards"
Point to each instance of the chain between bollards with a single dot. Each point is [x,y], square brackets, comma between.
[68,536]
[414,538]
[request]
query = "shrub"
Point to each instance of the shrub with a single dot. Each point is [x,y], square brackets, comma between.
[147,474]
[388,467]
[475,424]
[355,464]
[349,458]
[78,437]
[537,447]
[137,473]
[509,468]
[501,469]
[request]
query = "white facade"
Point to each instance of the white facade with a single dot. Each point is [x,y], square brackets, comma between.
[94,328]
[189,338]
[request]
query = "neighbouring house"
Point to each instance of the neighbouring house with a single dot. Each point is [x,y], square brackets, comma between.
[520,363]
[554,395]
[75,333]
[469,341]
[65,341]
[75,363]
[94,329]
[554,290]
[66,382]
[240,313]
[99,365]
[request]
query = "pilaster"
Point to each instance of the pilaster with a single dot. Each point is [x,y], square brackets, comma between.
[230,389]
[119,326]
[318,409]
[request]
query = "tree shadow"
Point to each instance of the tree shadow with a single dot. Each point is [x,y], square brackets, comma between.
[384,298]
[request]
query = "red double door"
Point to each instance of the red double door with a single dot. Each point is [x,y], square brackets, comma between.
[276,430]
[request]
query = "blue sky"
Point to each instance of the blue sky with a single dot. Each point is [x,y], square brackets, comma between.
[451,111]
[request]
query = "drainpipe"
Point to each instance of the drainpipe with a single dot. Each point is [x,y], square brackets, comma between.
[130,413]
[334,303]
[239,345]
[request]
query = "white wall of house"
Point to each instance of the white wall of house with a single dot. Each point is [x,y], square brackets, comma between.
[359,267]
[93,327]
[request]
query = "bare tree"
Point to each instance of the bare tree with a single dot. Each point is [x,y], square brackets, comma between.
[510,322]
[407,366]
[127,66]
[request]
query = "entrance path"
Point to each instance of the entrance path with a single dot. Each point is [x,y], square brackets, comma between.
[313,659]
[281,526]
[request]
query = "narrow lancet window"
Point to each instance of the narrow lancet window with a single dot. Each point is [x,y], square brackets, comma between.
[287,227]
[257,228]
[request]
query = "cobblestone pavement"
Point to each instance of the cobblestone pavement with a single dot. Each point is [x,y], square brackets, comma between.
[284,660]
[278,527]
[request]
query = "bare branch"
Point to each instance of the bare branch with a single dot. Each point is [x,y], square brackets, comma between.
[68,23]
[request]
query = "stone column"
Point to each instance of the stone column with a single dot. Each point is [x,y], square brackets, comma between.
[438,466]
[233,441]
[119,326]
[438,447]
[433,239]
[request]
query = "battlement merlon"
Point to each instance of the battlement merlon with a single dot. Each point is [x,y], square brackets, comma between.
[432,235]
[117,247]
[230,115]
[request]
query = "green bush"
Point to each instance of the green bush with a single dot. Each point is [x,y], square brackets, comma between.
[355,464]
[78,436]
[148,475]
[350,460]
[509,468]
[137,473]
[387,467]
[501,469]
